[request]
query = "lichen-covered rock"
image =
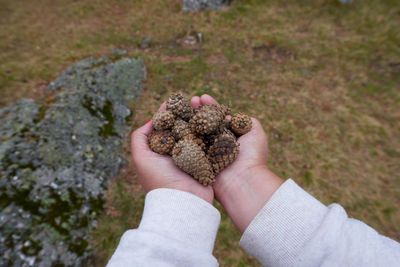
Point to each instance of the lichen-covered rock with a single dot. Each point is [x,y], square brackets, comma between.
[195,5]
[190,158]
[57,156]
[163,120]
[180,106]
[161,142]
[208,118]
[223,151]
[241,123]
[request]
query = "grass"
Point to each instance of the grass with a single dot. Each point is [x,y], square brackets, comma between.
[322,78]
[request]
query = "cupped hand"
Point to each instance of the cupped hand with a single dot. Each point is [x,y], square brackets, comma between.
[253,155]
[245,186]
[159,171]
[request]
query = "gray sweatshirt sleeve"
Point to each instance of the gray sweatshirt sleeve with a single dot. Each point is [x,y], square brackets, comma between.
[295,229]
[177,229]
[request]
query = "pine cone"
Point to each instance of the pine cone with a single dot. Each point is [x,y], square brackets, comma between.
[181,129]
[210,138]
[180,107]
[223,152]
[163,120]
[224,109]
[190,158]
[241,123]
[161,142]
[197,140]
[207,119]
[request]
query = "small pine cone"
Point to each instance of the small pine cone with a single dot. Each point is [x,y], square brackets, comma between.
[197,140]
[161,142]
[226,110]
[223,152]
[223,128]
[180,107]
[190,158]
[241,124]
[207,119]
[163,120]
[181,129]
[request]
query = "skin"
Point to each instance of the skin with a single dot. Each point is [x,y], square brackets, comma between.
[242,188]
[159,171]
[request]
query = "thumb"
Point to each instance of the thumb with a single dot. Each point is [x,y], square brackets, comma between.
[139,143]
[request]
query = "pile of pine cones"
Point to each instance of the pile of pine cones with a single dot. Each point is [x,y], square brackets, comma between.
[202,142]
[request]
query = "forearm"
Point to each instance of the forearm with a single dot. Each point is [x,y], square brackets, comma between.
[245,196]
[295,229]
[177,228]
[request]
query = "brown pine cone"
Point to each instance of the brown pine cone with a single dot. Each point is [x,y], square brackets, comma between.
[163,120]
[210,138]
[199,141]
[190,158]
[223,152]
[161,142]
[207,119]
[181,129]
[180,107]
[241,123]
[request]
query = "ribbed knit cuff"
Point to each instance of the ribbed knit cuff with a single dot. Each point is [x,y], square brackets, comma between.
[181,216]
[279,231]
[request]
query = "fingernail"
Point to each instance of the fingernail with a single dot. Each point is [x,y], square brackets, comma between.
[147,122]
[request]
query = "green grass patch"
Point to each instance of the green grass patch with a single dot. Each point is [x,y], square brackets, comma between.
[322,78]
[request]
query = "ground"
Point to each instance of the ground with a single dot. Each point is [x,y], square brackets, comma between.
[323,79]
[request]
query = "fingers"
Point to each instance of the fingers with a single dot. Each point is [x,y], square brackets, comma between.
[195,102]
[139,138]
[206,99]
[163,106]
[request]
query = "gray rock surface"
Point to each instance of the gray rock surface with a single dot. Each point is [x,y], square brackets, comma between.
[195,5]
[57,156]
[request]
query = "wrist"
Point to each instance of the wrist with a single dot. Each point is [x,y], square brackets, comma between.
[205,193]
[244,197]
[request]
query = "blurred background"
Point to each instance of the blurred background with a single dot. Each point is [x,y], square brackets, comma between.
[322,76]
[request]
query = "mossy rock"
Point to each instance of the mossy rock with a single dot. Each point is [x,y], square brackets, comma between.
[51,185]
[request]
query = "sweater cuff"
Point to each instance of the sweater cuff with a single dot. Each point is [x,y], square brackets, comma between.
[181,216]
[282,227]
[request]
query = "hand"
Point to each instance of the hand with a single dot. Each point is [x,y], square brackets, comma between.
[245,186]
[159,171]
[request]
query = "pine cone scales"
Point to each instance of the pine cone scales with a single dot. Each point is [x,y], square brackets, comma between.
[223,152]
[209,139]
[200,141]
[181,129]
[241,124]
[207,119]
[190,158]
[163,120]
[161,142]
[180,107]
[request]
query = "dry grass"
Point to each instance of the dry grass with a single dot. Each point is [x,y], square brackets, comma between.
[323,79]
